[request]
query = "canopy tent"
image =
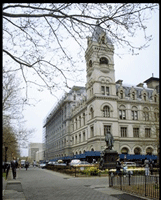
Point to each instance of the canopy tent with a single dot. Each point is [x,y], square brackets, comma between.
[137,157]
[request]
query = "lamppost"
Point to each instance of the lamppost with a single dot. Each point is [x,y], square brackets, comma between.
[6,148]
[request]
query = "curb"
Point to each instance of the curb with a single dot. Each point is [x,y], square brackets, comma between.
[13,189]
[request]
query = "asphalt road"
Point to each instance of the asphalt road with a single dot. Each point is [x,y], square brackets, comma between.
[42,184]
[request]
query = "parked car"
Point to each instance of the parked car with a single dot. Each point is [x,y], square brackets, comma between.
[130,164]
[60,164]
[84,163]
[80,163]
[43,165]
[74,162]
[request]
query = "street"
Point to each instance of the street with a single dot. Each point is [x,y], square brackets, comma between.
[42,184]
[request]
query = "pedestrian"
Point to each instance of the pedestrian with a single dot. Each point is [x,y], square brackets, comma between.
[118,167]
[34,163]
[8,168]
[14,165]
[125,169]
[26,164]
[151,166]
[19,164]
[146,164]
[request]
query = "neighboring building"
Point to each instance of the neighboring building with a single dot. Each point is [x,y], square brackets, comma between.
[33,148]
[39,155]
[79,121]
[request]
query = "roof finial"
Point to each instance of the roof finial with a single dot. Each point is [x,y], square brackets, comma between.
[152,74]
[97,22]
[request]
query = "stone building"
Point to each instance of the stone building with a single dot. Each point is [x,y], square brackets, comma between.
[34,148]
[79,121]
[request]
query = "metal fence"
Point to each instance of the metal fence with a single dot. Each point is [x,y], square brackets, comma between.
[142,185]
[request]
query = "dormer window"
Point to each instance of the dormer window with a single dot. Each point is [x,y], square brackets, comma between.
[144,97]
[155,98]
[121,94]
[133,95]
[103,60]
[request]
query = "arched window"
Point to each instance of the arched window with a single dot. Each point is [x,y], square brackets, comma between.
[92,113]
[134,113]
[122,112]
[124,150]
[106,111]
[149,151]
[103,60]
[146,114]
[156,115]
[155,98]
[137,151]
[90,63]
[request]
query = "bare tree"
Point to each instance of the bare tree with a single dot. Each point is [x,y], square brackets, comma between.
[15,135]
[39,40]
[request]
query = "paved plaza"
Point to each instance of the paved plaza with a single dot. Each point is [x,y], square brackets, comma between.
[42,184]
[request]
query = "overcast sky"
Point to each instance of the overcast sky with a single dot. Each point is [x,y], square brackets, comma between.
[131,69]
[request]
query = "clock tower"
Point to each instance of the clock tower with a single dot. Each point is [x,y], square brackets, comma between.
[100,64]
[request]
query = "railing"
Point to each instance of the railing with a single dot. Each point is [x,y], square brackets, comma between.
[147,186]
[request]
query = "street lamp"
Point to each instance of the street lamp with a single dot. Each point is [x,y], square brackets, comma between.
[6,148]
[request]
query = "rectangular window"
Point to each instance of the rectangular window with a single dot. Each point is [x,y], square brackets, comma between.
[123,131]
[107,128]
[136,132]
[105,90]
[147,132]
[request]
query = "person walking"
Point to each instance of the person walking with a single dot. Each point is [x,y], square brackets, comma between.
[146,164]
[125,169]
[118,167]
[19,164]
[14,165]
[151,166]
[34,163]
[26,164]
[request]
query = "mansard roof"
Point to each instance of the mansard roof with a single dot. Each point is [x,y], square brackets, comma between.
[127,89]
[97,32]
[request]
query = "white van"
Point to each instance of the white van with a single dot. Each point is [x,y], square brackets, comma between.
[130,164]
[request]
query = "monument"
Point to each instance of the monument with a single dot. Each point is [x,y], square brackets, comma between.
[108,156]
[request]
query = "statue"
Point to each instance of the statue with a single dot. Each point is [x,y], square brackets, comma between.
[109,140]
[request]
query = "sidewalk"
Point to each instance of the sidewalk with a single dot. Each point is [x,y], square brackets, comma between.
[12,189]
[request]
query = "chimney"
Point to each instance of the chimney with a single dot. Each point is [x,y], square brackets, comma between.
[140,85]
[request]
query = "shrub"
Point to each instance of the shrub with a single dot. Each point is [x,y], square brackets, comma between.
[93,171]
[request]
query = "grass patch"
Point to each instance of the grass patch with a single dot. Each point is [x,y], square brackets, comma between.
[4,175]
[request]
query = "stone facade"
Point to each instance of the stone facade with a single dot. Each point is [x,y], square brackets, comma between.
[79,121]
